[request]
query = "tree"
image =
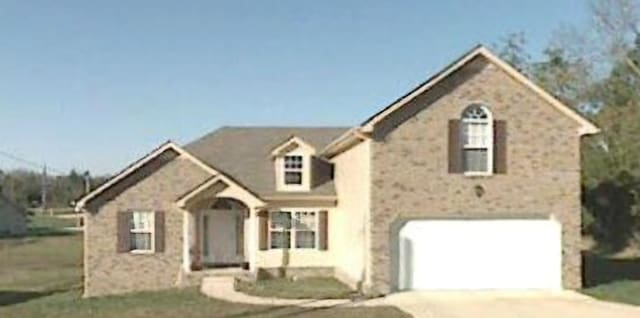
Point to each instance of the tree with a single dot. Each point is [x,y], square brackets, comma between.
[596,70]
[512,49]
[616,25]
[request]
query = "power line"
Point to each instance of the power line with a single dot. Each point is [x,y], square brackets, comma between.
[28,162]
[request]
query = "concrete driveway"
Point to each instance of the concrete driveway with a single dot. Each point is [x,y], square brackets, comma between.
[565,304]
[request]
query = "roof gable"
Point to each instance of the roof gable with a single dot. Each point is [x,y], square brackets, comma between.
[290,144]
[141,169]
[586,127]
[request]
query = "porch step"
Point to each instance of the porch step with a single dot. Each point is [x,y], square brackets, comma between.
[196,277]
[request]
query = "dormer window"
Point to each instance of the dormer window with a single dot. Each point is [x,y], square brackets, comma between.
[293,160]
[293,170]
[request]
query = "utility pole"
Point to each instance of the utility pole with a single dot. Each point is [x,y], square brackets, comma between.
[87,188]
[43,194]
[87,182]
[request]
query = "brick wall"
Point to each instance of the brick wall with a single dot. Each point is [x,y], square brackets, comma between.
[410,178]
[109,272]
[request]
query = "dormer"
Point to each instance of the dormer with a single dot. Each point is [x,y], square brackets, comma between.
[293,160]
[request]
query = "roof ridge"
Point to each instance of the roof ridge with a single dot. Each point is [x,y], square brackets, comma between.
[282,127]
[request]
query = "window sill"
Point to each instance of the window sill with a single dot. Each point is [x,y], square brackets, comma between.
[141,252]
[293,188]
[478,174]
[298,249]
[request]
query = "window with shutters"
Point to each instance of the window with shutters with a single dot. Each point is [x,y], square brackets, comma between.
[293,229]
[477,140]
[141,232]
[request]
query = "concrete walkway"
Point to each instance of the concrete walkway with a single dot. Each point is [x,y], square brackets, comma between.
[222,288]
[563,304]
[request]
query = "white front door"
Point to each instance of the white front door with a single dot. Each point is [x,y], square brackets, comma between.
[220,237]
[480,254]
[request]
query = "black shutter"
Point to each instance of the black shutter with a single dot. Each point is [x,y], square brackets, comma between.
[124,231]
[159,231]
[263,230]
[323,229]
[455,147]
[500,146]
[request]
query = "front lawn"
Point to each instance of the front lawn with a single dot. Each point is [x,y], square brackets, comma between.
[169,304]
[612,278]
[317,288]
[626,291]
[47,225]
[41,277]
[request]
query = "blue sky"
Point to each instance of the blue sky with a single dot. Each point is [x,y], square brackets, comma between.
[91,85]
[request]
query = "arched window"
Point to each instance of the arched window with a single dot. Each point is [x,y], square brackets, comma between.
[477,140]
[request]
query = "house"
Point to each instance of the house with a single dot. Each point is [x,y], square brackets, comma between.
[13,219]
[469,181]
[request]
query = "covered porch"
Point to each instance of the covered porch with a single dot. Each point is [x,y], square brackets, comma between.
[219,227]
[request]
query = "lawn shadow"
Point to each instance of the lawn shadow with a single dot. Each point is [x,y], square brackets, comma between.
[11,297]
[598,269]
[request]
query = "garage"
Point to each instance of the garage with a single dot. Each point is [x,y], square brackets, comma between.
[483,254]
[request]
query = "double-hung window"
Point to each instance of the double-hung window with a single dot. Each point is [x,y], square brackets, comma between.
[293,170]
[293,229]
[280,230]
[477,145]
[141,232]
[305,229]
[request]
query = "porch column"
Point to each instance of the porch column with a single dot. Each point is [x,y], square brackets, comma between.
[253,240]
[186,240]
[191,241]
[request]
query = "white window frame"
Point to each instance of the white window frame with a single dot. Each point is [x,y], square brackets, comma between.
[151,231]
[293,230]
[314,230]
[279,229]
[286,170]
[487,145]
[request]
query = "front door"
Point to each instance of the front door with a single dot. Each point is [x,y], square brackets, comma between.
[220,231]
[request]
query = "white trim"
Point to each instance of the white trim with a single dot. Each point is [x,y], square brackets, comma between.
[489,146]
[279,162]
[278,151]
[168,145]
[183,201]
[151,231]
[182,154]
[292,230]
[586,127]
[186,240]
[222,178]
[285,197]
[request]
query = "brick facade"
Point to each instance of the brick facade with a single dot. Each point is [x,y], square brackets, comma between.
[110,272]
[410,178]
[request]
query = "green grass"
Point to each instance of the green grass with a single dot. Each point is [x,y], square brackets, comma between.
[626,291]
[169,304]
[52,222]
[40,263]
[612,278]
[45,225]
[41,277]
[317,288]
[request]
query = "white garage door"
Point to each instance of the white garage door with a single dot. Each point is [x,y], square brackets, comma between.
[480,254]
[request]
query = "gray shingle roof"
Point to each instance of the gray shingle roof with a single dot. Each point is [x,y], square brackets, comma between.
[244,153]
